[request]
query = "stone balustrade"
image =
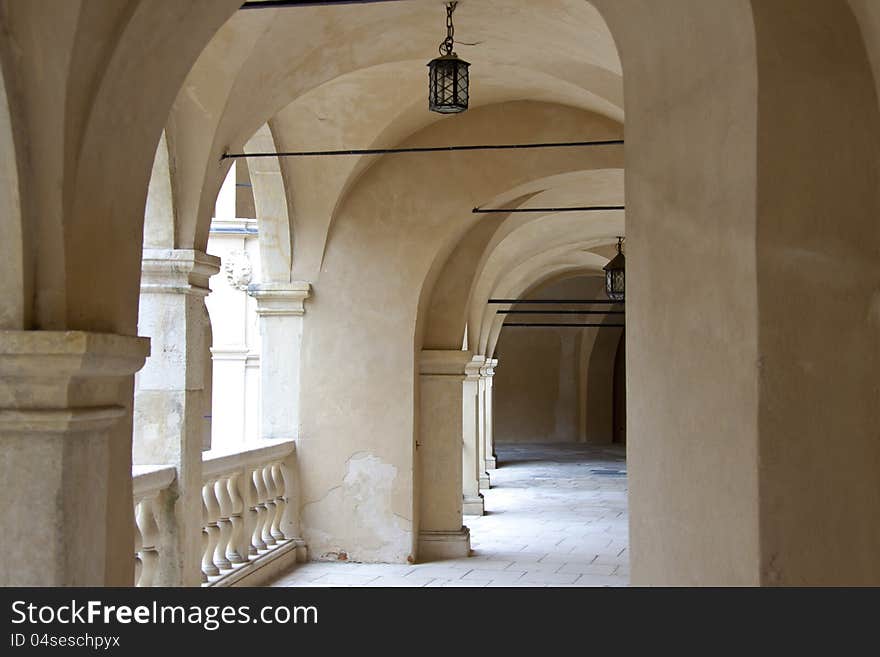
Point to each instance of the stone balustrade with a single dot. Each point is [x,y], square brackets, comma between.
[248,519]
[245,509]
[149,486]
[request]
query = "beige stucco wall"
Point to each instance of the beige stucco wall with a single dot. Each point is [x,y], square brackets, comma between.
[550,386]
[356,446]
[536,388]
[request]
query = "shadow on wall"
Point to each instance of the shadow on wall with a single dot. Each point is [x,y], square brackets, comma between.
[561,384]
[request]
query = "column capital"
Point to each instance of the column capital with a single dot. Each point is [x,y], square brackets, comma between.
[474,368]
[62,355]
[37,368]
[488,369]
[280,299]
[177,271]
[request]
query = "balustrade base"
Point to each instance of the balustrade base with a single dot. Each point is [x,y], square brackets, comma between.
[263,568]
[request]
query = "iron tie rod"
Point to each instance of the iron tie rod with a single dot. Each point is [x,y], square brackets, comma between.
[427,149]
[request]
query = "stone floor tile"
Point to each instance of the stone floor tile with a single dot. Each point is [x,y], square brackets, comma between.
[494,575]
[550,578]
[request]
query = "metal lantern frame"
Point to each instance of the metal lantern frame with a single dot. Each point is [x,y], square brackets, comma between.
[615,275]
[448,78]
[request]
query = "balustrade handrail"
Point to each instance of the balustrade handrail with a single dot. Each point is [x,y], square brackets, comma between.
[149,479]
[220,462]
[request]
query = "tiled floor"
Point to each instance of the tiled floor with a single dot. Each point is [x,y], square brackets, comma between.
[556,516]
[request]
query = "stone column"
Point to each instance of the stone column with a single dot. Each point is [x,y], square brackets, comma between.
[65,464]
[439,454]
[481,431]
[281,307]
[172,398]
[471,449]
[489,414]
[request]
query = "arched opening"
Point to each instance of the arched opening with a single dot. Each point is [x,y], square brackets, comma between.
[728,267]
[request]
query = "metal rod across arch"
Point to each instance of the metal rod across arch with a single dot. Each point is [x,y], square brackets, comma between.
[560,312]
[279,4]
[556,301]
[583,208]
[428,149]
[530,325]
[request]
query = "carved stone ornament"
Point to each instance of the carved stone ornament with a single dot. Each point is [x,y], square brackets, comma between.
[238,269]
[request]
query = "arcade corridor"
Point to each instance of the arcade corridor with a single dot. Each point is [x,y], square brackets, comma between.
[555,516]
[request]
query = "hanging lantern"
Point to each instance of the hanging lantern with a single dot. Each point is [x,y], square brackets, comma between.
[614,274]
[448,75]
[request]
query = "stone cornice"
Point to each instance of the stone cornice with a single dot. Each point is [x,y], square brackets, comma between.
[177,271]
[280,299]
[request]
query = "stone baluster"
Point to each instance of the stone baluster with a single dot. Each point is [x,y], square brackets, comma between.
[205,542]
[268,499]
[149,528]
[259,490]
[138,547]
[234,551]
[211,515]
[249,513]
[280,500]
[224,506]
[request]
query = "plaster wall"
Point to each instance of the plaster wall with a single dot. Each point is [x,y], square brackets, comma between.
[536,388]
[551,386]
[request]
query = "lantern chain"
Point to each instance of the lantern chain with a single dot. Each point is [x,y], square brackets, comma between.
[449,42]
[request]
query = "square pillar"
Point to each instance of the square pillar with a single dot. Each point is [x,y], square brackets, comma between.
[281,307]
[489,414]
[172,408]
[65,445]
[481,431]
[471,448]
[439,455]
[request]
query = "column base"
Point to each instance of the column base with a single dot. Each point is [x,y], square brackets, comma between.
[473,506]
[434,545]
[491,463]
[484,481]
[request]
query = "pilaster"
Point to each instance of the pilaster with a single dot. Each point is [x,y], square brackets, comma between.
[488,374]
[472,504]
[281,307]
